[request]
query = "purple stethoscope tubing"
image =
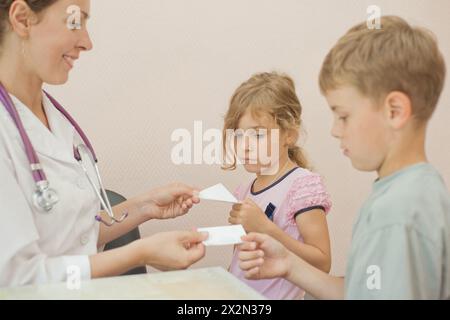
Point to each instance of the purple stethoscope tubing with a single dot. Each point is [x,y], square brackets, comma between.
[39,176]
[38,173]
[77,128]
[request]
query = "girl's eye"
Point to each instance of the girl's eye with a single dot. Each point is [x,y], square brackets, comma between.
[343,118]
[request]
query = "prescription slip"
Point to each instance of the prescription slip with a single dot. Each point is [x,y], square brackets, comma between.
[222,236]
[218,192]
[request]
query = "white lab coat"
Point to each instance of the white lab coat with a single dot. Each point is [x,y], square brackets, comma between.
[35,247]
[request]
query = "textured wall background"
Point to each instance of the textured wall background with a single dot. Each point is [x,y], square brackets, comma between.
[159,65]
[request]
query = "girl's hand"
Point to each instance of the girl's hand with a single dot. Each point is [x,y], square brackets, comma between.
[172,250]
[262,257]
[252,218]
[167,202]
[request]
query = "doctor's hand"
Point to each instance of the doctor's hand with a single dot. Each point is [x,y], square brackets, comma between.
[167,202]
[262,257]
[172,250]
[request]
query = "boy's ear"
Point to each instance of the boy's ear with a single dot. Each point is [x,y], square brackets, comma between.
[398,109]
[20,17]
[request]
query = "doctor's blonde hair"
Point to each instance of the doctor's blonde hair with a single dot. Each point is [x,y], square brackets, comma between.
[272,94]
[36,6]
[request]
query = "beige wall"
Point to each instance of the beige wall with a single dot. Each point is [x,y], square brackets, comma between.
[160,65]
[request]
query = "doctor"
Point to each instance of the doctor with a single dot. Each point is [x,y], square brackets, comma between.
[49,208]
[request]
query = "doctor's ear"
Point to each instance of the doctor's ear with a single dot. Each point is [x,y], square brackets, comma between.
[398,109]
[21,18]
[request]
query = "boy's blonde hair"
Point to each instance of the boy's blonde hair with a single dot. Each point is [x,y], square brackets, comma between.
[270,94]
[397,57]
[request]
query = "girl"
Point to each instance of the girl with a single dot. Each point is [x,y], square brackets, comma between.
[286,200]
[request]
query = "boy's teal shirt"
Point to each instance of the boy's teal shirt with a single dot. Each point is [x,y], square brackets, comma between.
[401,239]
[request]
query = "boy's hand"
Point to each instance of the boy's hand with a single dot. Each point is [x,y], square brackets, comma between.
[262,257]
[252,218]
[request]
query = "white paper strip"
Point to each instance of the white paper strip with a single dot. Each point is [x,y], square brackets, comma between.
[217,193]
[221,236]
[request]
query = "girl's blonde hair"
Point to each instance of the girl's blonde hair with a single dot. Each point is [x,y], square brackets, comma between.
[266,93]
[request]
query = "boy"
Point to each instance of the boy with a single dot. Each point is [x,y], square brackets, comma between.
[382,86]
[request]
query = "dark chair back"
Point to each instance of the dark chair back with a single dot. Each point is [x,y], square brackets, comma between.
[115,199]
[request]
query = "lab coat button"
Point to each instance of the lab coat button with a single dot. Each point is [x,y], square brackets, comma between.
[84,239]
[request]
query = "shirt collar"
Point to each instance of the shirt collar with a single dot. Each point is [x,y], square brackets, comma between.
[57,143]
[386,181]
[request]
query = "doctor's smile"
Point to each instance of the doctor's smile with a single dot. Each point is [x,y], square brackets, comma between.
[70,60]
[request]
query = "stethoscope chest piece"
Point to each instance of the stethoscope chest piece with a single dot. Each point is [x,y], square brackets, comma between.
[45,198]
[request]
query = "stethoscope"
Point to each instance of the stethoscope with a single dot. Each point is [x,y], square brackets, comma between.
[45,198]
